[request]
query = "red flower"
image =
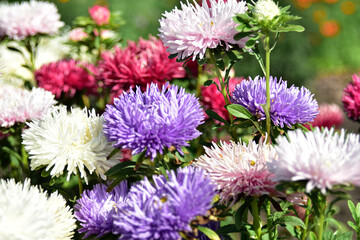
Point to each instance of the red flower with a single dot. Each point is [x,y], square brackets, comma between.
[351,98]
[213,99]
[329,115]
[67,76]
[138,65]
[101,15]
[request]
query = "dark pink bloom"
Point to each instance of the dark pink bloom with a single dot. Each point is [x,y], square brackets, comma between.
[138,65]
[351,98]
[67,76]
[101,15]
[329,115]
[212,99]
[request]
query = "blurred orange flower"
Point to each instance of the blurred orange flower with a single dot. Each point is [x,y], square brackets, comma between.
[348,7]
[330,28]
[319,15]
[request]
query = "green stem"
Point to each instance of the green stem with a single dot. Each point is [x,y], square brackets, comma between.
[222,83]
[267,78]
[80,184]
[268,219]
[256,217]
[321,218]
[306,220]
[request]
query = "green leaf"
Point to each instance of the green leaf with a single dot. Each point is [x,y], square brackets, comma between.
[292,221]
[209,233]
[215,116]
[352,225]
[352,210]
[208,83]
[239,111]
[291,28]
[171,56]
[97,42]
[45,173]
[231,228]
[232,56]
[250,43]
[139,158]
[312,236]
[220,63]
[241,35]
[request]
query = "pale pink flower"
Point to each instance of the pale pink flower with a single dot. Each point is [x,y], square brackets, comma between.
[138,64]
[322,159]
[20,20]
[329,115]
[101,15]
[18,105]
[194,28]
[351,98]
[239,169]
[77,34]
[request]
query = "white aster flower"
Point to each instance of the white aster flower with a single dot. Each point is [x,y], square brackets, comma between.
[239,169]
[27,213]
[266,10]
[20,20]
[323,159]
[73,140]
[194,28]
[20,105]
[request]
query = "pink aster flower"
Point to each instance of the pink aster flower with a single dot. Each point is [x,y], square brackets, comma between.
[351,98]
[329,115]
[18,105]
[194,28]
[67,77]
[322,159]
[138,64]
[77,34]
[239,169]
[101,15]
[213,99]
[20,20]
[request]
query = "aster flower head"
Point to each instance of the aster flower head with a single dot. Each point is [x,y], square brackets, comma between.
[27,212]
[153,120]
[329,115]
[189,31]
[213,99]
[20,20]
[138,64]
[162,209]
[351,98]
[331,158]
[100,15]
[67,77]
[288,105]
[96,208]
[18,105]
[266,10]
[77,34]
[238,169]
[74,141]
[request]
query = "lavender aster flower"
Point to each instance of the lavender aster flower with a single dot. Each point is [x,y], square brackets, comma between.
[153,120]
[194,28]
[323,159]
[96,208]
[162,209]
[288,105]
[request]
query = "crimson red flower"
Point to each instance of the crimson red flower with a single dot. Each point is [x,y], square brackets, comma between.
[351,98]
[67,76]
[212,99]
[138,64]
[329,115]
[100,15]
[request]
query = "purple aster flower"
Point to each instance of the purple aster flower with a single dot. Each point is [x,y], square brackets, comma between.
[153,120]
[96,208]
[288,105]
[162,209]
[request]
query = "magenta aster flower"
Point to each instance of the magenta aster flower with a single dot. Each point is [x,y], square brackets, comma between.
[138,65]
[329,115]
[18,105]
[193,29]
[351,98]
[238,169]
[100,15]
[153,120]
[213,99]
[322,159]
[67,77]
[20,20]
[288,105]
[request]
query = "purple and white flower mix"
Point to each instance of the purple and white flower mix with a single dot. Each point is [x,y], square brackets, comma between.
[153,120]
[288,105]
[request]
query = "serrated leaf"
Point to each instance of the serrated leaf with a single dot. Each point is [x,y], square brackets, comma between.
[209,233]
[239,111]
